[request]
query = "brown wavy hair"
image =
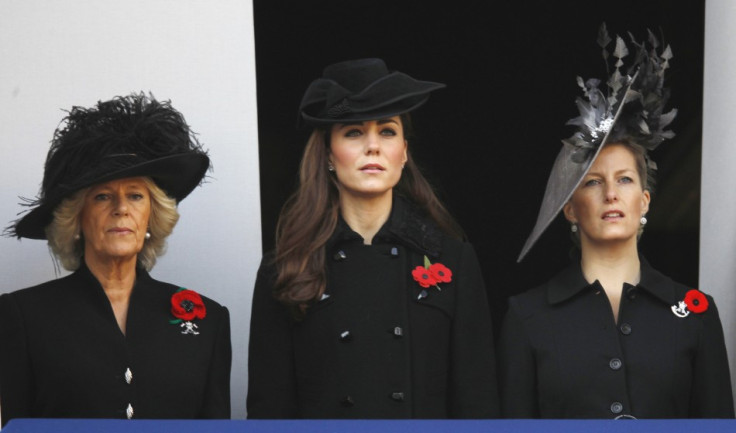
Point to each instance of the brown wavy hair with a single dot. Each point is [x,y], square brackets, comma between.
[310,215]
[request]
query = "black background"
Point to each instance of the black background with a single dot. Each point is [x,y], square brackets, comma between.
[487,141]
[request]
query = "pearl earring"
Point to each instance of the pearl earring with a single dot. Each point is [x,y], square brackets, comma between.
[643,220]
[77,237]
[330,167]
[148,235]
[574,228]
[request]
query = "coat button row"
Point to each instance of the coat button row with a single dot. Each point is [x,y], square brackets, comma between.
[339,256]
[615,364]
[129,411]
[346,336]
[128,376]
[394,251]
[625,328]
[398,332]
[617,407]
[631,293]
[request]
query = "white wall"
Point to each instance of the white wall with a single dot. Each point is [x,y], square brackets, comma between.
[718,197]
[197,53]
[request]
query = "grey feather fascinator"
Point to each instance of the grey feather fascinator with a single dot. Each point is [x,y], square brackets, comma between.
[629,105]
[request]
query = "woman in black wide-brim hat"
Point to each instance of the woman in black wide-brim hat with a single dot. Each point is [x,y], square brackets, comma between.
[610,337]
[372,305]
[109,341]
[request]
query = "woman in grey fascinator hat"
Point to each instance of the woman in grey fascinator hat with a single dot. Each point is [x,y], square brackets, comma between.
[610,337]
[108,340]
[372,305]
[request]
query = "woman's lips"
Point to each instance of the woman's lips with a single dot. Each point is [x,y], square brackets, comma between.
[372,168]
[612,215]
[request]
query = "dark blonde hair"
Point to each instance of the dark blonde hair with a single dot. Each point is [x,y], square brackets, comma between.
[310,216]
[64,232]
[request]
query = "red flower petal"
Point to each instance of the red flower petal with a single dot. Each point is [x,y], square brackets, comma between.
[696,301]
[187,305]
[441,273]
[423,276]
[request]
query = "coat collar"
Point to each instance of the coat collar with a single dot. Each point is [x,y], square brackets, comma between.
[406,225]
[570,282]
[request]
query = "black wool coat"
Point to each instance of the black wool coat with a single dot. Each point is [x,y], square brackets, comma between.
[64,356]
[561,355]
[378,345]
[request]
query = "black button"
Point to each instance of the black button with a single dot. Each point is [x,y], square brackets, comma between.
[631,292]
[340,255]
[346,336]
[397,396]
[617,407]
[625,328]
[394,251]
[615,364]
[347,401]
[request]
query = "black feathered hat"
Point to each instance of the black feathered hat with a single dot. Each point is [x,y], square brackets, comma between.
[363,89]
[127,136]
[633,108]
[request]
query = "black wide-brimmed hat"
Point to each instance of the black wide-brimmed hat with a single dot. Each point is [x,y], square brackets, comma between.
[363,89]
[633,109]
[129,136]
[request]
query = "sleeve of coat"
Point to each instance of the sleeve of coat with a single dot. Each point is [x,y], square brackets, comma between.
[217,392]
[271,376]
[16,381]
[516,368]
[473,388]
[711,396]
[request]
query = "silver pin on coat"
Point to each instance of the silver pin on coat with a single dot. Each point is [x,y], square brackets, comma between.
[680,309]
[189,328]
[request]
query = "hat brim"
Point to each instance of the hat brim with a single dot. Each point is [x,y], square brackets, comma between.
[391,95]
[564,179]
[177,175]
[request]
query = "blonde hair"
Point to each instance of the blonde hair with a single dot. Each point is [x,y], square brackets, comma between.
[64,232]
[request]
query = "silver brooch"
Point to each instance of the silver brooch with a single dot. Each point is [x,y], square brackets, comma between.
[680,309]
[189,328]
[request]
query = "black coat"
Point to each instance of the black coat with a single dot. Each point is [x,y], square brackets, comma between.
[562,356]
[373,347]
[63,355]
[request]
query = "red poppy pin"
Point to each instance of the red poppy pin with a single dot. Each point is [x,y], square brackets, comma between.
[695,301]
[187,305]
[431,274]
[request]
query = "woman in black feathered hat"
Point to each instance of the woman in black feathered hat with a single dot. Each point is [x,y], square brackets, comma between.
[372,305]
[109,341]
[610,337]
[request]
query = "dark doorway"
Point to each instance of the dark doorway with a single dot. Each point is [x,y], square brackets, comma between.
[488,140]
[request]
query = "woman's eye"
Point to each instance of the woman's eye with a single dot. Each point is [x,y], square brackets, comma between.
[352,133]
[626,179]
[136,196]
[592,182]
[388,131]
[101,197]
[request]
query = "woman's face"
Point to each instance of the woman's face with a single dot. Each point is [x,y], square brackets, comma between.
[368,156]
[610,200]
[114,219]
